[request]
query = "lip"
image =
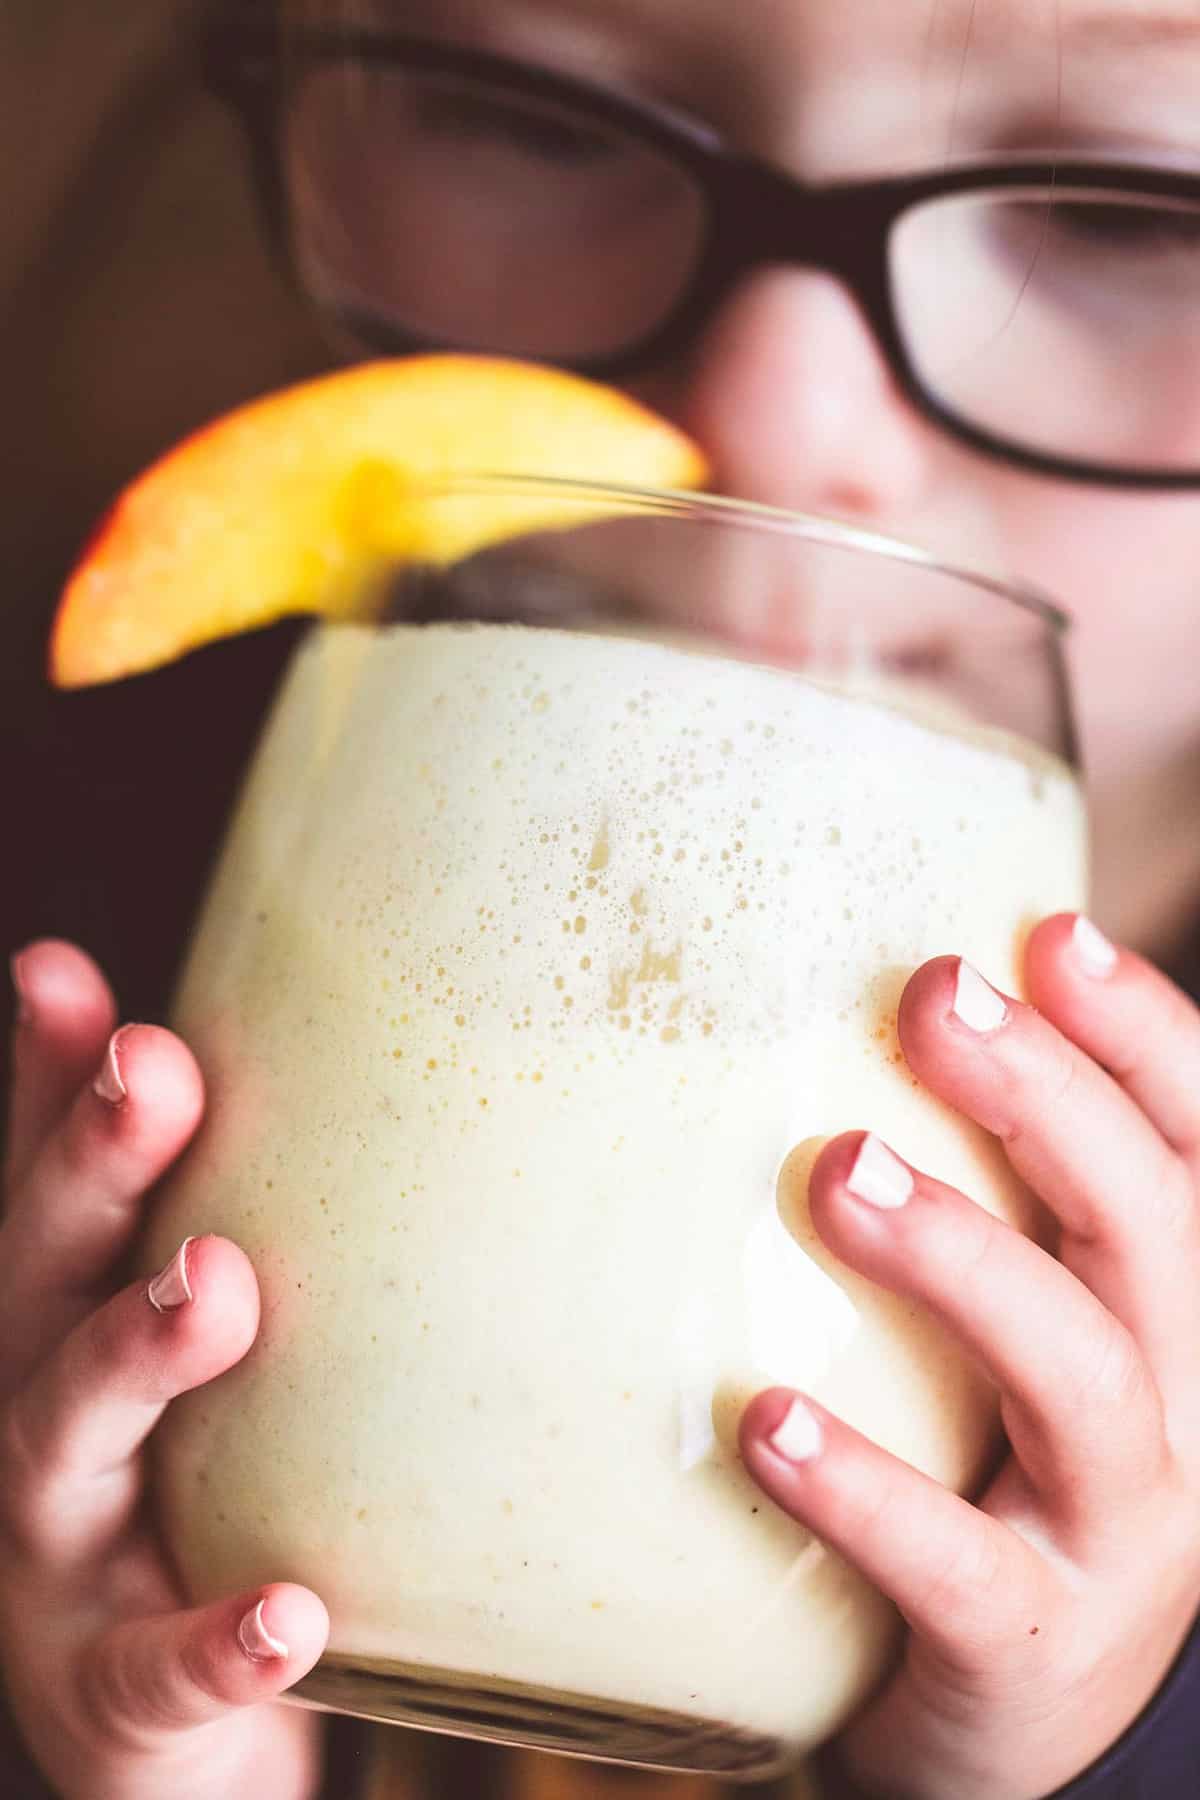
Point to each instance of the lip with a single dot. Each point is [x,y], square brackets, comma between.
[918,661]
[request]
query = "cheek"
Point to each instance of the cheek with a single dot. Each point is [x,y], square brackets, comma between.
[1086,547]
[1127,568]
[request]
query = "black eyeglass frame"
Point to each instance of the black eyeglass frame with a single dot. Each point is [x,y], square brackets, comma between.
[755,214]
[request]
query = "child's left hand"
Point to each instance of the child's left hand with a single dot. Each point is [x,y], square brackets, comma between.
[1043,1618]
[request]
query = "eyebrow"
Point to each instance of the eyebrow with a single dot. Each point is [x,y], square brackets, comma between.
[1124,30]
[1077,25]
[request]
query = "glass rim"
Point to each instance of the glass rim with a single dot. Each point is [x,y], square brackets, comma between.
[811,527]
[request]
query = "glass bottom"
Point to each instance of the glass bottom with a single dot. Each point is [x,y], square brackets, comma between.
[507,1712]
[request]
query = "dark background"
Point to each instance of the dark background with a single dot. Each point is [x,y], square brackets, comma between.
[137,300]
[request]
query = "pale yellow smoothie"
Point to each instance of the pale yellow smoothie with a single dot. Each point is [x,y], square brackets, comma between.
[531,958]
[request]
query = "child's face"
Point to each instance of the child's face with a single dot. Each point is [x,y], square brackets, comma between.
[786,386]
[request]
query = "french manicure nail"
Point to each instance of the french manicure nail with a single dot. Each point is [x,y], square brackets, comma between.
[256,1640]
[171,1288]
[879,1177]
[1095,955]
[109,1085]
[797,1438]
[976,1002]
[23,1012]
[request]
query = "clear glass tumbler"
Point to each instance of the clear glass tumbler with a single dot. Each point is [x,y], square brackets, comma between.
[565,913]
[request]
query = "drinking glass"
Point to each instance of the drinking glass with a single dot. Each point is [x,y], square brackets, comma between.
[565,913]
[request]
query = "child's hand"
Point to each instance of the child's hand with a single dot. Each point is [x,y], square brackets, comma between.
[121,1694]
[1044,1618]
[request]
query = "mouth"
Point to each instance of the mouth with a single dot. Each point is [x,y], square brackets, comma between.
[919,662]
[540,596]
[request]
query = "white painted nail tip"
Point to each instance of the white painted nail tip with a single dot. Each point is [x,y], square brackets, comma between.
[171,1288]
[256,1640]
[108,1084]
[1092,949]
[798,1438]
[879,1177]
[976,1002]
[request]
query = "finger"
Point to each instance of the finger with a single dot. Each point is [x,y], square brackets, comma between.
[65,1014]
[1063,1364]
[964,1582]
[1124,1200]
[80,1204]
[1127,1015]
[71,1477]
[149,1678]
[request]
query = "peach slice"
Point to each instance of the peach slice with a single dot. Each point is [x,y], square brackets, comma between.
[299,502]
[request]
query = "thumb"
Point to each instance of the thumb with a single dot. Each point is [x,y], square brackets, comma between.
[147,1678]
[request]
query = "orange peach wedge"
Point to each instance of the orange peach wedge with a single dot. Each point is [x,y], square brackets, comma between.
[299,502]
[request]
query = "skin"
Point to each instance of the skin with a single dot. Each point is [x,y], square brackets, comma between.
[1044,1612]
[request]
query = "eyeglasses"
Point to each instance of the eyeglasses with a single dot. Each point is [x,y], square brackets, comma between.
[429,195]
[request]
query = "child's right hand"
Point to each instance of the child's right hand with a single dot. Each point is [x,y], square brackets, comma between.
[120,1691]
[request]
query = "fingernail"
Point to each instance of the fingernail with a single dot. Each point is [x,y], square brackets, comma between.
[171,1288]
[1095,955]
[798,1436]
[24,1012]
[976,1002]
[879,1177]
[108,1084]
[256,1640]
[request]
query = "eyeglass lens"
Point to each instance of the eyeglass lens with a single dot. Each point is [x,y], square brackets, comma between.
[455,210]
[1062,321]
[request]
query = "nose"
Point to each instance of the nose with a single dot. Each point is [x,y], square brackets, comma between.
[792,399]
